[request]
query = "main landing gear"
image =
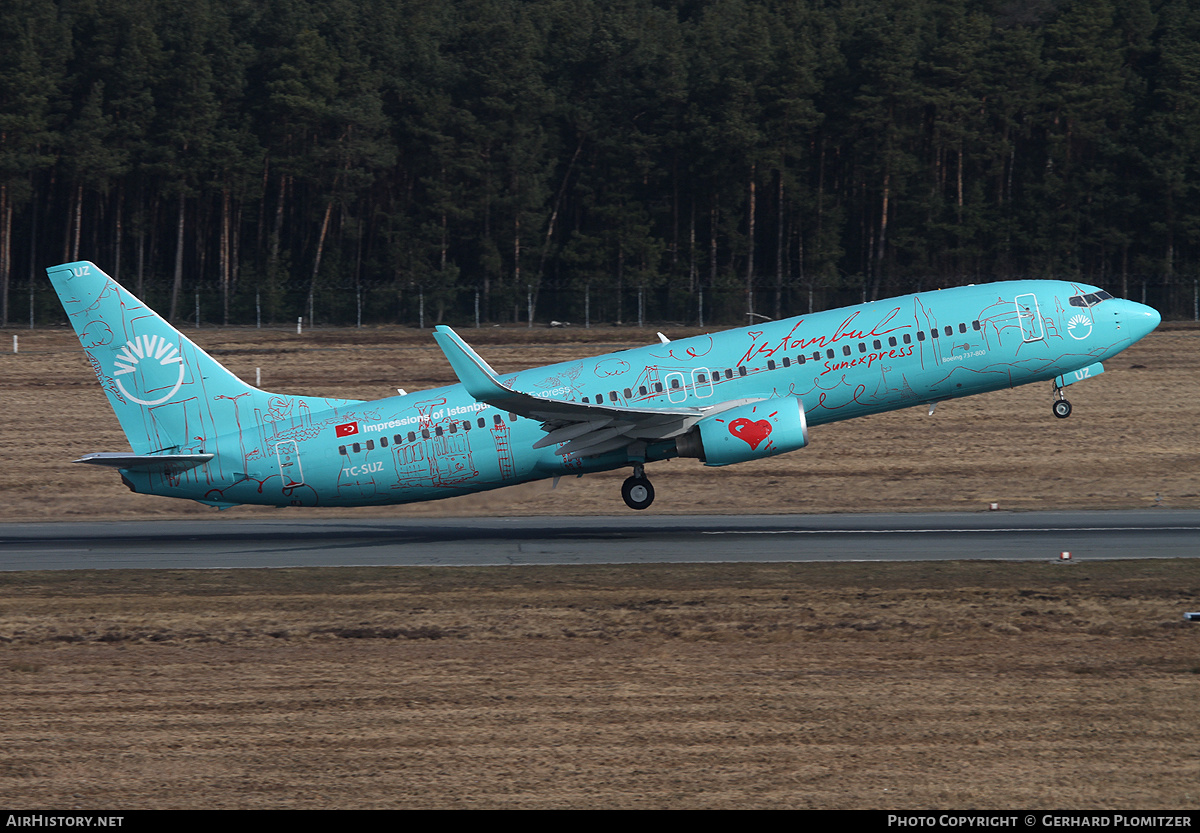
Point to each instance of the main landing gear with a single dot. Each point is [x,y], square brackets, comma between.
[1061,407]
[636,490]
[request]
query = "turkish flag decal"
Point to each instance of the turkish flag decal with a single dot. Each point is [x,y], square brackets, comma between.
[346,429]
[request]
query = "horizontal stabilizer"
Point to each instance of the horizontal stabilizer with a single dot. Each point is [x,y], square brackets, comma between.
[145,462]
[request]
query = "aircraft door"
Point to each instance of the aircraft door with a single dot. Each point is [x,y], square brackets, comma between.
[289,464]
[1029,317]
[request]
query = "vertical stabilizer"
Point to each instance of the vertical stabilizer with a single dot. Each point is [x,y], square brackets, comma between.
[167,393]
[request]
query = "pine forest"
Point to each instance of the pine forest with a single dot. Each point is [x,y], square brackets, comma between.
[600,161]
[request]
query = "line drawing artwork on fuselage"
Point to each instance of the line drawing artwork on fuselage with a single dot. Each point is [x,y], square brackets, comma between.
[196,431]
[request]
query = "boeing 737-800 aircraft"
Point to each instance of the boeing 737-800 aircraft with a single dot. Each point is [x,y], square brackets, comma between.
[199,432]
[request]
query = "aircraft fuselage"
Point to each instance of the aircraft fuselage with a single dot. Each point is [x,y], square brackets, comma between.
[840,364]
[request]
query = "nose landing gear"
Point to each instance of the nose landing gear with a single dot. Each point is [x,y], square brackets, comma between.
[636,490]
[1060,406]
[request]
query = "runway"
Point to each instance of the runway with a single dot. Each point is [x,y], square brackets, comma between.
[625,539]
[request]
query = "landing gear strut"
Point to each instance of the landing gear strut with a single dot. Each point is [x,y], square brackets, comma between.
[637,491]
[1061,407]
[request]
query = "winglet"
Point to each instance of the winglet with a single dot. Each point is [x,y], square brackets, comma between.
[475,374]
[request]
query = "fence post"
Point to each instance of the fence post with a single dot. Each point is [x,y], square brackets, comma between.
[477,309]
[197,309]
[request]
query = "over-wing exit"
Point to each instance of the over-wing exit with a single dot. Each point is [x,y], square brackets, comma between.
[197,431]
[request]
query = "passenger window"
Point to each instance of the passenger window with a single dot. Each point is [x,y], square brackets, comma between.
[383,442]
[770,364]
[466,426]
[341,449]
[612,396]
[920,335]
[817,355]
[412,438]
[370,445]
[424,433]
[933,333]
[800,359]
[454,428]
[675,384]
[587,401]
[949,330]
[891,341]
[498,419]
[438,430]
[907,338]
[512,417]
[742,370]
[845,349]
[787,362]
[357,448]
[962,328]
[728,373]
[628,393]
[862,347]
[398,439]
[876,344]
[481,422]
[642,390]
[658,387]
[975,324]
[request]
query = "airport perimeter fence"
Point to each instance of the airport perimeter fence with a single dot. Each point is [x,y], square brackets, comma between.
[204,306]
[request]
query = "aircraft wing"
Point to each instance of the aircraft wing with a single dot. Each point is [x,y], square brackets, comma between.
[586,429]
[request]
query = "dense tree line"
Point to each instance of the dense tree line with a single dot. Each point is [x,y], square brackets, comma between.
[605,158]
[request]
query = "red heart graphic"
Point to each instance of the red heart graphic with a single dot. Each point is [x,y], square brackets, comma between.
[752,432]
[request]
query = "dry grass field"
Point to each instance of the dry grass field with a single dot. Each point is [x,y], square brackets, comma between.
[905,686]
[899,686]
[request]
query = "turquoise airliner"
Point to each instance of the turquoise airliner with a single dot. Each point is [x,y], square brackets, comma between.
[198,432]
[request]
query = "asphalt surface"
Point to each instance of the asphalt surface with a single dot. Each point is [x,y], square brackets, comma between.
[625,539]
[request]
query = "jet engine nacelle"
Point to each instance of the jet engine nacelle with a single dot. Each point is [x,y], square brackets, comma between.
[747,432]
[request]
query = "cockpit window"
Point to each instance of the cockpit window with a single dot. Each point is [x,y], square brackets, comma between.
[1089,300]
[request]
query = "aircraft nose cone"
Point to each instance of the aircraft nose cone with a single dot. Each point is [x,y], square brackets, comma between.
[1141,318]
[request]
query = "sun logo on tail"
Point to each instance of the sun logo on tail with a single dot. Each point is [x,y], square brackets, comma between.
[146,349]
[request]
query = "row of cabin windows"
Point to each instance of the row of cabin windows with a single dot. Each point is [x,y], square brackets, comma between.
[398,439]
[701,378]
[877,344]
